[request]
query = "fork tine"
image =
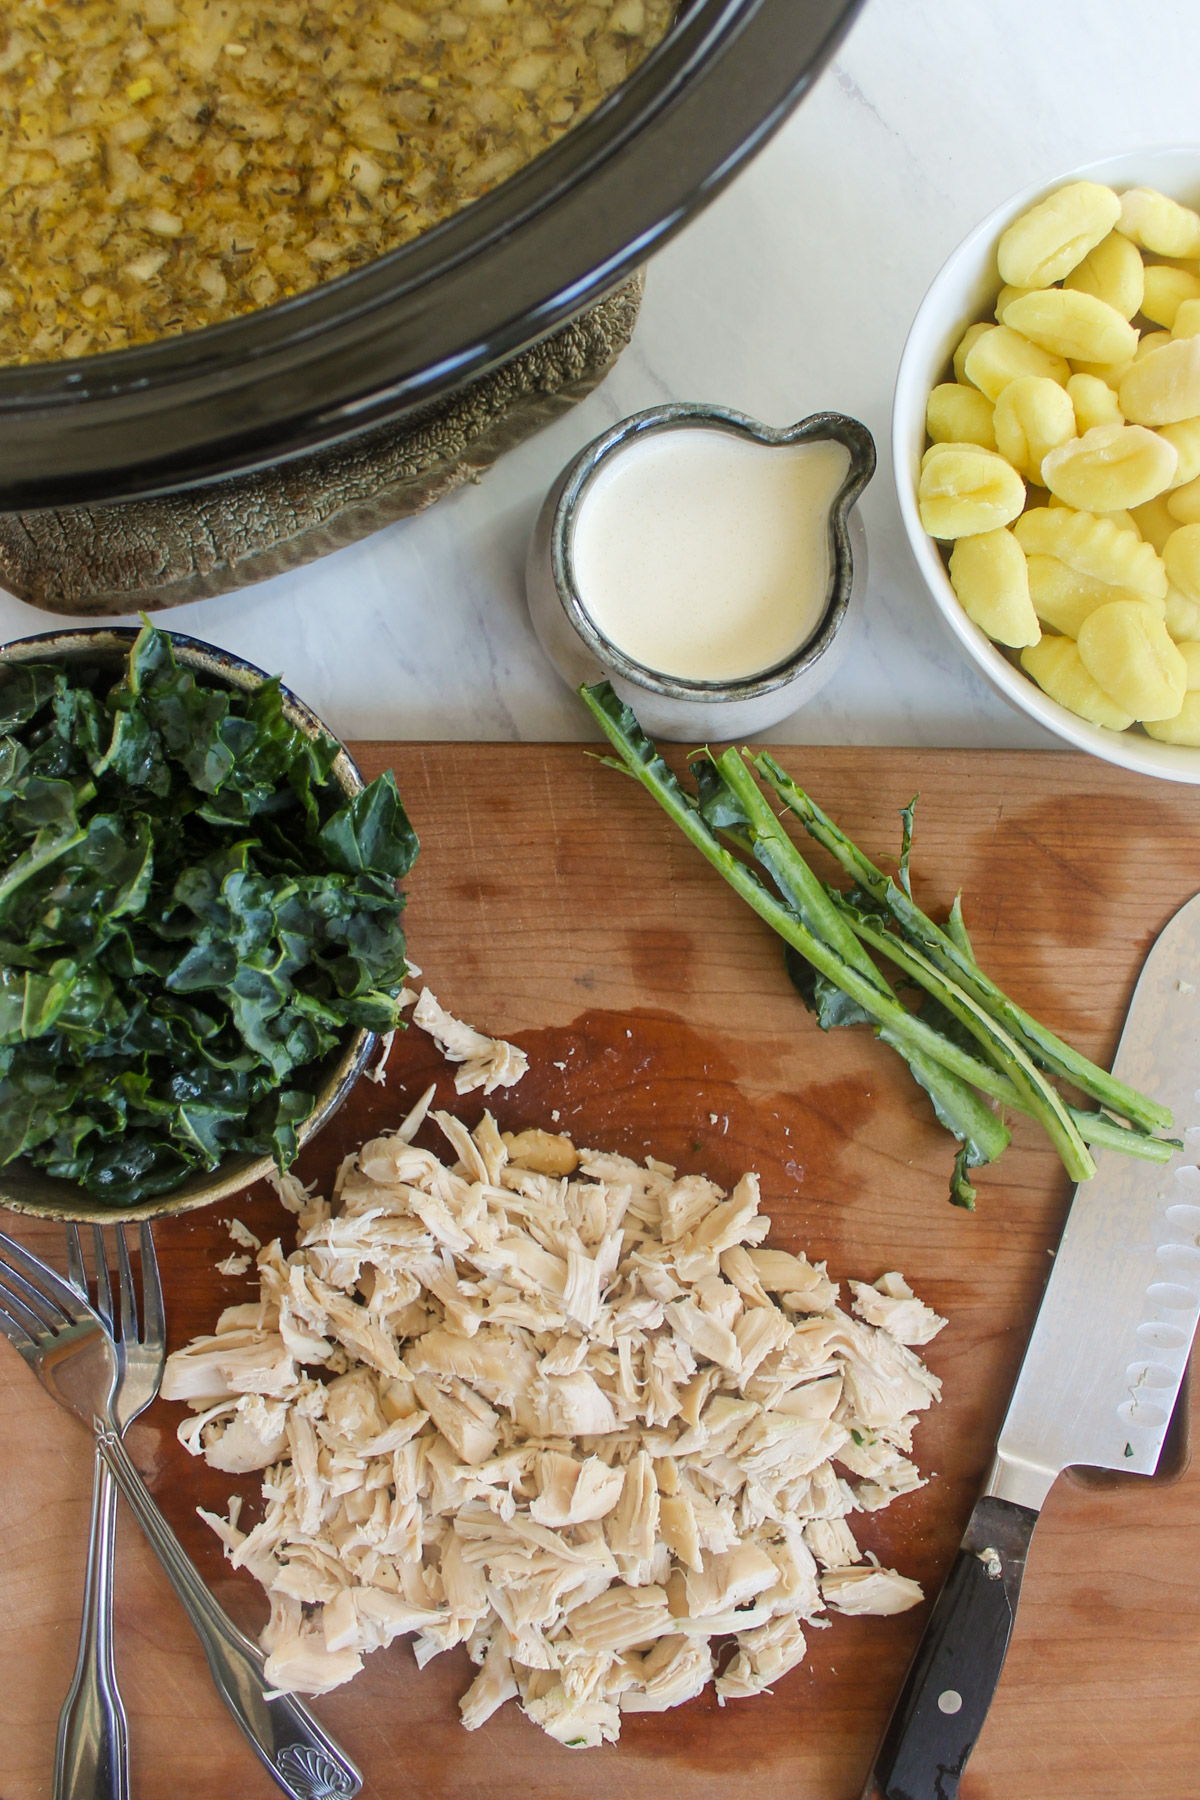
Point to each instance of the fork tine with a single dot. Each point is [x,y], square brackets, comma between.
[129,1311]
[104,1298]
[22,1308]
[76,1273]
[153,1320]
[16,1334]
[44,1280]
[49,1316]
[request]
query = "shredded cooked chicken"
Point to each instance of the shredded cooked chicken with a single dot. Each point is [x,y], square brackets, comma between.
[487,1062]
[559,1408]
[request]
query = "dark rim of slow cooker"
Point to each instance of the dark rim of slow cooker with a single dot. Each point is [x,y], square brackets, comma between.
[421,321]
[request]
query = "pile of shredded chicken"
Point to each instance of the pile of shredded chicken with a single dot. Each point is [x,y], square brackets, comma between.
[563,1410]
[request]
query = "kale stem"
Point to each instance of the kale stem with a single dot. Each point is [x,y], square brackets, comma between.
[954,958]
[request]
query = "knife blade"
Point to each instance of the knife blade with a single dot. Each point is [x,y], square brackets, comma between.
[1097,1386]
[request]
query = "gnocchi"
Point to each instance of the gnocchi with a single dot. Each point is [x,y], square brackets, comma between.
[1185,435]
[1113,272]
[1182,616]
[1032,417]
[1184,728]
[1158,223]
[1183,503]
[989,576]
[1150,340]
[965,490]
[1096,547]
[1047,242]
[1164,387]
[1127,650]
[1109,467]
[1057,667]
[1071,324]
[1111,374]
[1181,561]
[1063,470]
[957,414]
[969,337]
[1166,288]
[1000,354]
[1062,598]
[1154,522]
[1093,401]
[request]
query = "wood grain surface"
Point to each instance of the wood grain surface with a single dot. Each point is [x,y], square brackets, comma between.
[553,903]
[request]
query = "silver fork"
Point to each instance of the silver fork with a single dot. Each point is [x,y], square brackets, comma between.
[74,1356]
[91,1760]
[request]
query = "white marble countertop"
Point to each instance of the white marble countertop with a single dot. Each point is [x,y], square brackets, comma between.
[791,294]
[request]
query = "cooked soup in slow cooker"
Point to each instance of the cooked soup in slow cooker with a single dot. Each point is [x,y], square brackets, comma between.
[166,164]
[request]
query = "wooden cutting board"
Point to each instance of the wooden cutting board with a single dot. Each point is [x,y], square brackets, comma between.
[554,904]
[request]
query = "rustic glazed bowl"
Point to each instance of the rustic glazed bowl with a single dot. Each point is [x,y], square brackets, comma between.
[965,290]
[24,1189]
[666,706]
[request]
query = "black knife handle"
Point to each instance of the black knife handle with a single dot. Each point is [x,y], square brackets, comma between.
[953,1676]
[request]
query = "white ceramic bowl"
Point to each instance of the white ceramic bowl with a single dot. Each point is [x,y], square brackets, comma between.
[964,291]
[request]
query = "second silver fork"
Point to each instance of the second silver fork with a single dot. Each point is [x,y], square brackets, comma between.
[91,1755]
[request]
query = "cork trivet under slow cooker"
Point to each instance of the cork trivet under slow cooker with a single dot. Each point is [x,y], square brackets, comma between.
[152,554]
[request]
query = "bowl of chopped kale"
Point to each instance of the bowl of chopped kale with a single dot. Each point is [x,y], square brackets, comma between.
[199,923]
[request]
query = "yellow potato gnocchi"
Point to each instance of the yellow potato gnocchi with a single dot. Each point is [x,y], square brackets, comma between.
[1183,503]
[1047,242]
[1126,649]
[1166,288]
[1110,467]
[1182,616]
[1159,223]
[1005,298]
[1092,546]
[1164,387]
[1055,664]
[969,337]
[1062,598]
[1113,272]
[1111,374]
[1125,520]
[965,490]
[957,414]
[1153,522]
[1063,470]
[1185,436]
[1184,728]
[1071,324]
[988,574]
[1032,417]
[1093,401]
[999,355]
[1181,561]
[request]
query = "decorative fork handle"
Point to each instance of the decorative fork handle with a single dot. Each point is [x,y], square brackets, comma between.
[305,1762]
[91,1760]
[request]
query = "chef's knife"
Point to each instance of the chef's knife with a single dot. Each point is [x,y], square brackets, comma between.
[1097,1386]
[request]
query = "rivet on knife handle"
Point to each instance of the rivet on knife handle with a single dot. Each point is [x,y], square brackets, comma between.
[953,1675]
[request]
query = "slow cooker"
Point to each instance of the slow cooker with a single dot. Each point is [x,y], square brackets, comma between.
[402,333]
